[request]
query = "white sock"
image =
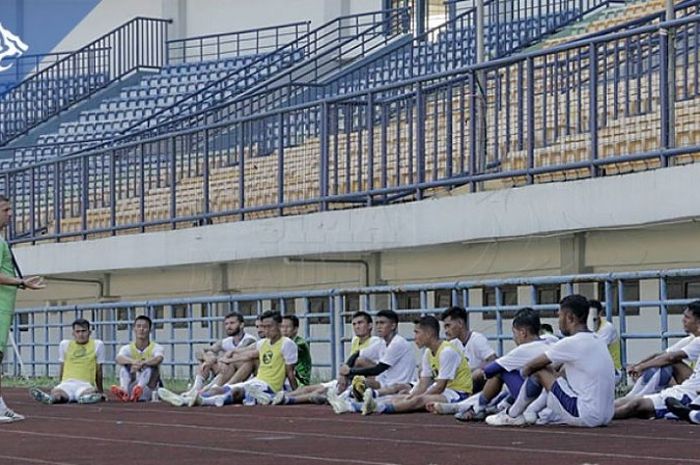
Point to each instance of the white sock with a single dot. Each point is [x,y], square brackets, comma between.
[124,379]
[2,404]
[198,383]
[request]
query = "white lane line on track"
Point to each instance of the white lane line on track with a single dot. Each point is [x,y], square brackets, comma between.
[210,412]
[28,460]
[152,444]
[399,441]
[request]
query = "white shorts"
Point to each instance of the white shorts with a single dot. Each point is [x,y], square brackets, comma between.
[261,388]
[684,395]
[564,405]
[74,388]
[453,396]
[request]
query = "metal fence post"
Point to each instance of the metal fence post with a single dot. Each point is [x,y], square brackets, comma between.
[593,107]
[324,147]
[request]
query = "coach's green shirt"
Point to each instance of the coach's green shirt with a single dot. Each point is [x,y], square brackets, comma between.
[303,368]
[8,294]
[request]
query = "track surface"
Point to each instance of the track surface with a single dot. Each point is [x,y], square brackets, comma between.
[156,434]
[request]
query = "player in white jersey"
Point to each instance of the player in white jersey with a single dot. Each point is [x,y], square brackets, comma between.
[586,396]
[214,360]
[605,330]
[476,347]
[395,370]
[444,376]
[503,372]
[654,405]
[316,394]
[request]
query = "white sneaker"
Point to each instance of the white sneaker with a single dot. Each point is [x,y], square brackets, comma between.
[279,398]
[8,416]
[444,408]
[338,404]
[40,396]
[261,397]
[170,397]
[369,405]
[503,419]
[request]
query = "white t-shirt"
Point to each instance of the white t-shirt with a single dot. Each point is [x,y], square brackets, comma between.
[590,372]
[678,346]
[375,350]
[477,350]
[228,344]
[400,357]
[522,354]
[692,349]
[450,359]
[99,351]
[158,351]
[290,352]
[607,332]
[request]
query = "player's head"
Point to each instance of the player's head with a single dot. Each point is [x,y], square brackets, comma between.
[259,330]
[526,325]
[546,328]
[573,313]
[454,320]
[290,326]
[361,324]
[270,323]
[691,318]
[386,323]
[426,330]
[5,211]
[142,327]
[233,324]
[596,313]
[81,330]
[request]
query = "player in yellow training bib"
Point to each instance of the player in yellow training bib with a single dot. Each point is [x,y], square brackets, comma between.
[81,369]
[316,394]
[277,357]
[139,363]
[444,377]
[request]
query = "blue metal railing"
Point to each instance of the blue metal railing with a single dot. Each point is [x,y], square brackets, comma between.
[239,43]
[182,325]
[139,43]
[24,66]
[390,143]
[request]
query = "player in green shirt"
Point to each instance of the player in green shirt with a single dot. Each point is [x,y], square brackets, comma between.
[290,328]
[10,280]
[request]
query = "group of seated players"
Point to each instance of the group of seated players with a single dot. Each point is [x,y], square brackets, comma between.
[544,379]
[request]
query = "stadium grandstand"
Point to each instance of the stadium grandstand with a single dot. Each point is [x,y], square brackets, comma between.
[186,159]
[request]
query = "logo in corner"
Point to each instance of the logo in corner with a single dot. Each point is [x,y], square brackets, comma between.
[11,46]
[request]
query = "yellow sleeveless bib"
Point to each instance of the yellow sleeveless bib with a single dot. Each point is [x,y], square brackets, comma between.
[80,362]
[462,381]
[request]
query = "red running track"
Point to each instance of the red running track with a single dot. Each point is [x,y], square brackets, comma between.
[156,434]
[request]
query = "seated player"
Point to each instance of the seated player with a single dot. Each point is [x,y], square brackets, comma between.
[444,376]
[654,405]
[81,369]
[290,329]
[547,333]
[139,364]
[586,396]
[277,356]
[316,394]
[504,371]
[394,372]
[214,360]
[605,330]
[474,344]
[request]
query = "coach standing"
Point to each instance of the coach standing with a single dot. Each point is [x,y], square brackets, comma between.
[10,279]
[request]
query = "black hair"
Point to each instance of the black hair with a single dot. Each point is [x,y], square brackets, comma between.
[276,316]
[82,322]
[694,308]
[146,319]
[529,319]
[596,304]
[237,316]
[454,313]
[362,314]
[430,323]
[389,315]
[546,327]
[576,304]
[293,318]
